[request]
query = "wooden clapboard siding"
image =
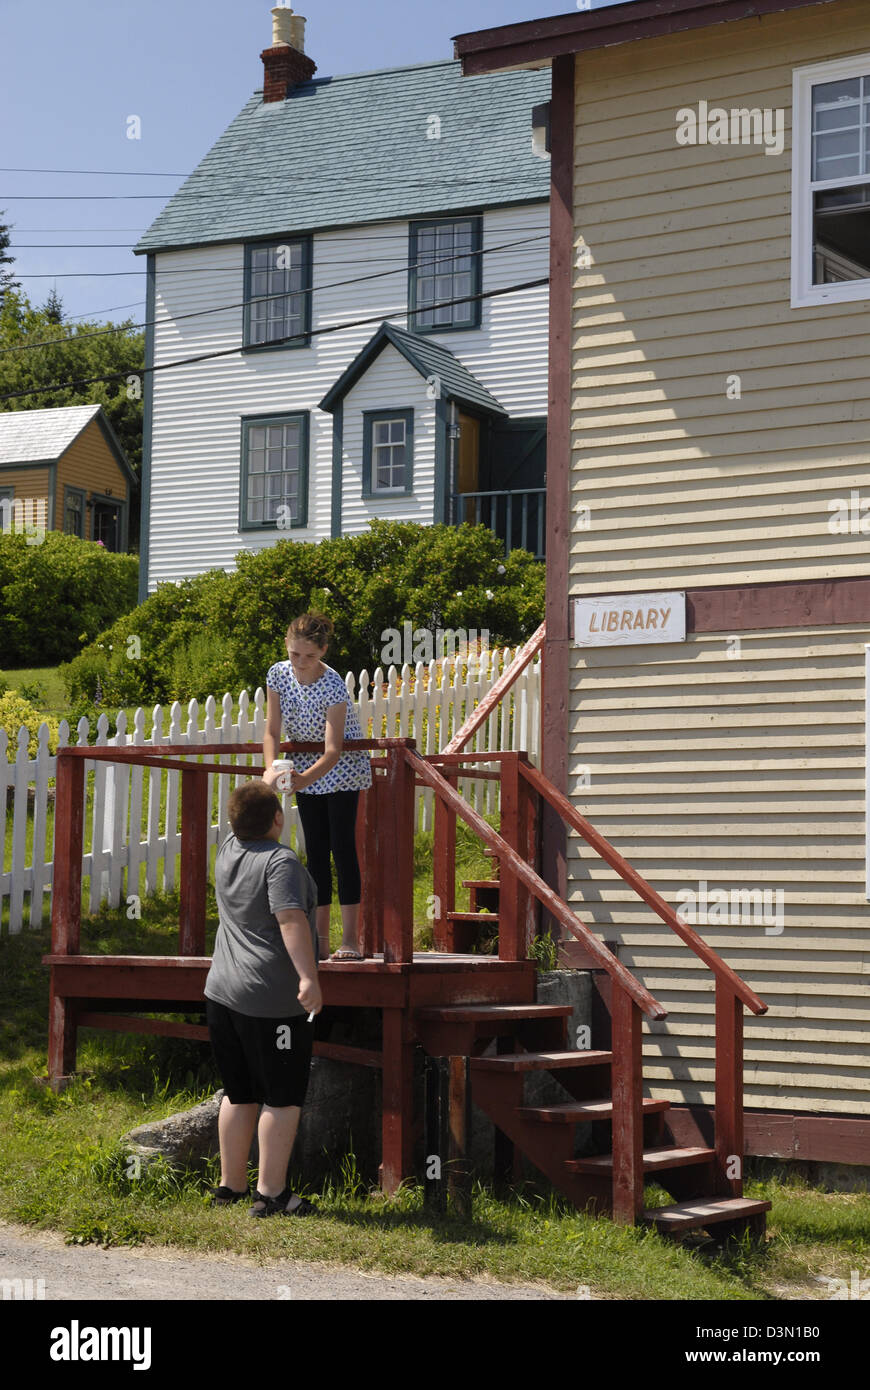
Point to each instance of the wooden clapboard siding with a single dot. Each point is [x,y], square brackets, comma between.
[196,448]
[690,282]
[747,772]
[27,482]
[90,464]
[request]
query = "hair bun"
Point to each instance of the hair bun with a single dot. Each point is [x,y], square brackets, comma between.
[312,627]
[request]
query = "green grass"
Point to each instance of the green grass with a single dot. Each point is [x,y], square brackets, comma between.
[64,1170]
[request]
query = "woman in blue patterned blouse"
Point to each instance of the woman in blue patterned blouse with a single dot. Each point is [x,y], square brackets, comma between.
[310,699]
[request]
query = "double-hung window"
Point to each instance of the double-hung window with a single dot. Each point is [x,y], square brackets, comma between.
[274,491]
[278,293]
[831,183]
[444,267]
[388,449]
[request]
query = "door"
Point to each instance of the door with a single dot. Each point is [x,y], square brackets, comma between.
[107,524]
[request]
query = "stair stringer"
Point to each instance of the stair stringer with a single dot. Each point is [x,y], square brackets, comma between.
[546,1146]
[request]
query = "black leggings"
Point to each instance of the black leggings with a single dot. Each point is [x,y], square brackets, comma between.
[329,825]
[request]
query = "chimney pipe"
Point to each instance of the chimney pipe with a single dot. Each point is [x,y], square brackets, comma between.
[285,64]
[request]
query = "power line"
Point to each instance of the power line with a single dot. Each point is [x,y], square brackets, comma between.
[223,269]
[125,173]
[313,289]
[112,309]
[260,190]
[278,342]
[128,245]
[368,236]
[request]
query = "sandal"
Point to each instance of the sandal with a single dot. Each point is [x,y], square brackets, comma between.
[287,1203]
[225,1196]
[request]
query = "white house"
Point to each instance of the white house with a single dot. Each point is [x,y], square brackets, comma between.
[351,315]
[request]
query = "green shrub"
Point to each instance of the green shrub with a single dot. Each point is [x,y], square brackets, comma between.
[222,631]
[15,712]
[58,595]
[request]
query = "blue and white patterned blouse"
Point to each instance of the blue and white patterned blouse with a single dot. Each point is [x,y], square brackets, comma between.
[303,714]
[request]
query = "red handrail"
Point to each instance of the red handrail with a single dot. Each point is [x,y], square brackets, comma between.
[606,851]
[432,778]
[497,692]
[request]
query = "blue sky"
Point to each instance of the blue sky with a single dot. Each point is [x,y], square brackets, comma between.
[72,73]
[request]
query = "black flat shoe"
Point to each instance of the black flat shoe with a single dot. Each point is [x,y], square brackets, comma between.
[225,1196]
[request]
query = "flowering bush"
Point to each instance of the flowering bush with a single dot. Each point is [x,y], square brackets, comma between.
[15,712]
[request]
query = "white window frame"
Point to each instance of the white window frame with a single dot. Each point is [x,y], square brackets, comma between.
[804,294]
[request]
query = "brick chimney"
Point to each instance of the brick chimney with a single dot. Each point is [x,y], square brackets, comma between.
[285,64]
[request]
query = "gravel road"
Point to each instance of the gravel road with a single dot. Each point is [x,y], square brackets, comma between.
[115,1275]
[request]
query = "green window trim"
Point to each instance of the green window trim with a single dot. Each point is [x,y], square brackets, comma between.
[370,419]
[81,493]
[302,418]
[302,244]
[423,237]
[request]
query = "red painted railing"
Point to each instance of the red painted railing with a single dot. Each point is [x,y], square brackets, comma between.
[523,788]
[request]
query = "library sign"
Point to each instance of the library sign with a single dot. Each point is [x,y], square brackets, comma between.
[621,620]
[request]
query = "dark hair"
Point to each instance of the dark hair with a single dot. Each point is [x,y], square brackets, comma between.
[312,627]
[252,809]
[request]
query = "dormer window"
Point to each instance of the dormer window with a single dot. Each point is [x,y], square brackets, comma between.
[278,293]
[444,266]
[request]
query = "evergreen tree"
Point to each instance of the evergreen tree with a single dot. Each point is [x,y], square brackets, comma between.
[7,281]
[54,307]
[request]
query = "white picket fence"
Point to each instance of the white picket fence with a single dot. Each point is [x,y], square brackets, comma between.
[131,813]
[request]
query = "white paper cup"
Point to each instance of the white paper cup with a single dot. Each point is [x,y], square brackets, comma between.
[283,766]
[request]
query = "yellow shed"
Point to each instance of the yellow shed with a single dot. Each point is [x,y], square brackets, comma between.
[65,470]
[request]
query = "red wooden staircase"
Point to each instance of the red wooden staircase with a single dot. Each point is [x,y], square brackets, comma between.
[603,1086]
[537,1034]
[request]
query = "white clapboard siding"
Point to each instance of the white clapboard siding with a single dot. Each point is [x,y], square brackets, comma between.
[390,383]
[688,286]
[197,408]
[426,703]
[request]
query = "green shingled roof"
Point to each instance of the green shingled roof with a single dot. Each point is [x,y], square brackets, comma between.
[345,150]
[428,357]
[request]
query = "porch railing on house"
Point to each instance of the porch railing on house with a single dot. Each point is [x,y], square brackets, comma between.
[428,702]
[517,518]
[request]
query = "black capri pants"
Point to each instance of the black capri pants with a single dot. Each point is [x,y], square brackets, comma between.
[329,826]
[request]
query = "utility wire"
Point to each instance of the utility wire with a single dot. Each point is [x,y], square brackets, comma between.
[313,289]
[278,342]
[245,190]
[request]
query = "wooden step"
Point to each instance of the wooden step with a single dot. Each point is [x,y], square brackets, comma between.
[479,917]
[703,1212]
[540,1061]
[653,1160]
[483,1013]
[575,1112]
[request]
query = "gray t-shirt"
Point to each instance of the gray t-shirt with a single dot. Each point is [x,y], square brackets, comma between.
[251,969]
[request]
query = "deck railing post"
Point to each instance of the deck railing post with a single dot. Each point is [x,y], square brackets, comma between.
[367,852]
[514,909]
[396,840]
[729,1141]
[66,907]
[193,874]
[627,1099]
[444,869]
